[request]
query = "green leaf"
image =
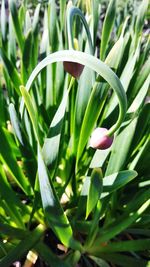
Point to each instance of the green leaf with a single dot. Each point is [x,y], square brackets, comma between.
[140,19]
[53,211]
[3,22]
[15,122]
[52,142]
[13,232]
[121,246]
[36,19]
[26,57]
[27,22]
[139,83]
[32,112]
[99,262]
[12,42]
[23,247]
[62,13]
[95,190]
[10,160]
[112,231]
[92,112]
[48,256]
[140,97]
[124,260]
[107,27]
[13,74]
[53,26]
[16,23]
[29,159]
[117,180]
[11,199]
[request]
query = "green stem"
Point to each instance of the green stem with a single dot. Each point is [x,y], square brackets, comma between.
[74,11]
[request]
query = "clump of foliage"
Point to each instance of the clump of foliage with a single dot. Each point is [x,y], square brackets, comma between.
[74,134]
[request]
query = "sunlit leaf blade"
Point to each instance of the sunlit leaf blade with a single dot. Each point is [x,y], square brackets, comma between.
[36,18]
[15,122]
[29,159]
[95,190]
[17,27]
[54,213]
[94,107]
[32,112]
[52,26]
[112,231]
[140,19]
[52,141]
[3,21]
[117,180]
[107,27]
[100,262]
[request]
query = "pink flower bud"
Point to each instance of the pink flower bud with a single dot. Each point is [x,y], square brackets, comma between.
[75,69]
[100,139]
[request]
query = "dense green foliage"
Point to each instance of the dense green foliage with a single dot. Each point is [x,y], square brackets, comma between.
[61,200]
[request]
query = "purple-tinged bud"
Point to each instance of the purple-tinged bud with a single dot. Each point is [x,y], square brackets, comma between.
[100,139]
[73,68]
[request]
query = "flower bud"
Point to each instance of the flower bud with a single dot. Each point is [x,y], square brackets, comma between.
[75,69]
[100,139]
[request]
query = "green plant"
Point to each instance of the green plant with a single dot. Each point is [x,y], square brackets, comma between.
[62,200]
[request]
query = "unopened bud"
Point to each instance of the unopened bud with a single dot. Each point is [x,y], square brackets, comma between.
[100,139]
[75,69]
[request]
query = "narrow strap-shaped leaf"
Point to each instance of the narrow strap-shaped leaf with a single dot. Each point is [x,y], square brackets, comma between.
[36,19]
[27,50]
[51,143]
[10,160]
[109,233]
[29,160]
[12,41]
[140,97]
[23,247]
[124,260]
[140,19]
[15,122]
[9,196]
[13,74]
[131,245]
[48,256]
[95,190]
[107,27]
[53,25]
[117,180]
[54,213]
[62,13]
[32,112]
[92,112]
[12,232]
[17,26]
[100,262]
[3,21]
